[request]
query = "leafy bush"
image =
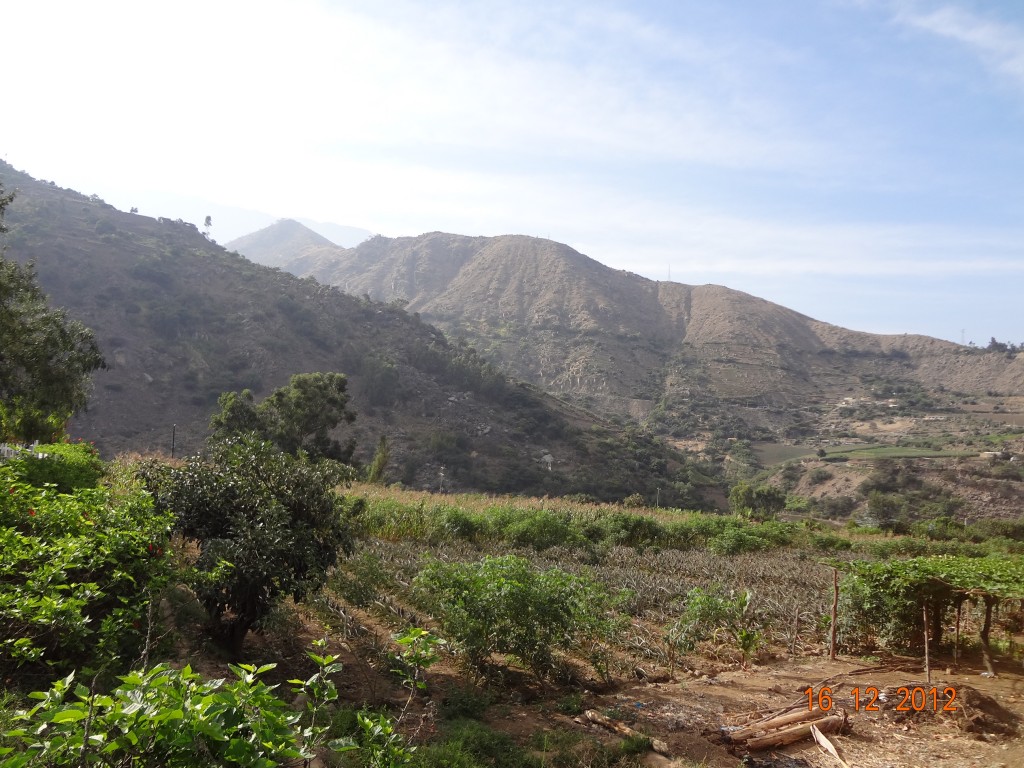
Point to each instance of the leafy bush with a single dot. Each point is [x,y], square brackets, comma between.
[267,525]
[69,466]
[168,717]
[465,704]
[379,744]
[76,572]
[832,507]
[735,541]
[505,605]
[297,417]
[47,358]
[826,542]
[464,525]
[709,614]
[632,530]
[761,503]
[542,530]
[818,475]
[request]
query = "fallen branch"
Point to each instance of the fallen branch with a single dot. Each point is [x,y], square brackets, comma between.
[622,729]
[779,721]
[830,724]
[802,701]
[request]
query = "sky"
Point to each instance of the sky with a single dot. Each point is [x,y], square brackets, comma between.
[860,161]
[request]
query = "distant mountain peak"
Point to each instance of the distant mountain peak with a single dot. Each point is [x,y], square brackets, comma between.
[276,245]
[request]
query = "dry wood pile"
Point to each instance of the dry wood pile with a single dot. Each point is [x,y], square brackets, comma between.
[787,726]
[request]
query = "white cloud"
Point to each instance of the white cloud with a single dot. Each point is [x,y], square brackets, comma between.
[489,118]
[999,44]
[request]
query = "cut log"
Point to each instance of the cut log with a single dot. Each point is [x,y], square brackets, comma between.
[781,721]
[830,724]
[622,729]
[799,704]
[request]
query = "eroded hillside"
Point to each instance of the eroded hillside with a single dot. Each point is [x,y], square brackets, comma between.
[684,359]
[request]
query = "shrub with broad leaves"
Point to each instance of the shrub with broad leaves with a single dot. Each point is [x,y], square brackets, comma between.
[267,524]
[77,573]
[506,605]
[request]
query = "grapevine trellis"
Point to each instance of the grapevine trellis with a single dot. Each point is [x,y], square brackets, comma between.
[896,591]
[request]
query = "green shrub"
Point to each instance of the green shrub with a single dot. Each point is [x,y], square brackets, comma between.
[505,605]
[709,614]
[628,530]
[77,572]
[828,543]
[69,466]
[267,524]
[361,579]
[818,475]
[464,525]
[832,507]
[698,529]
[634,501]
[735,541]
[542,530]
[465,704]
[168,717]
[379,744]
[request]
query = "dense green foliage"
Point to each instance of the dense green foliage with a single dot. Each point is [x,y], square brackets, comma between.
[68,466]
[296,417]
[760,503]
[710,614]
[379,464]
[883,600]
[46,359]
[589,528]
[163,716]
[77,572]
[506,605]
[267,525]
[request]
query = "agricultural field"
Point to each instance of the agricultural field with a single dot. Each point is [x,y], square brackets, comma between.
[403,628]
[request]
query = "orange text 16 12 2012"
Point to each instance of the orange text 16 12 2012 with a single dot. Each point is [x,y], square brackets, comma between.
[915,698]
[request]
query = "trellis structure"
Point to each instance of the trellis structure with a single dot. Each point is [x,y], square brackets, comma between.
[938,585]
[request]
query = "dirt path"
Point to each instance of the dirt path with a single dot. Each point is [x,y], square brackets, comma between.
[690,714]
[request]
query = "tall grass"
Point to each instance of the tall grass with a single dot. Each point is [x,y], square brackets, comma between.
[539,524]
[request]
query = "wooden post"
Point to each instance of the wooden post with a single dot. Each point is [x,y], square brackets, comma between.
[986,651]
[796,629]
[956,642]
[835,614]
[927,665]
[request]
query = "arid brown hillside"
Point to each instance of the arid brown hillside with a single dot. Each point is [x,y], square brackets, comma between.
[690,358]
[180,320]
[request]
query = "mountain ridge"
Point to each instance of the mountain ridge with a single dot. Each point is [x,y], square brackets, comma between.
[181,320]
[630,345]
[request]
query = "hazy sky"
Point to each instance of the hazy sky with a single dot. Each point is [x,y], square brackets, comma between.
[861,161]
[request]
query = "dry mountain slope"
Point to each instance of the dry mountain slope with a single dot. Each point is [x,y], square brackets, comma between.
[181,320]
[631,345]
